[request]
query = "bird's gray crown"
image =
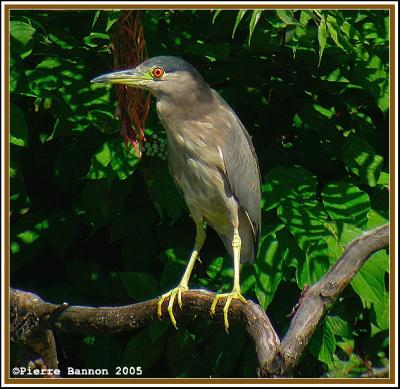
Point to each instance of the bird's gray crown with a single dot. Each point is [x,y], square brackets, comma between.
[168,63]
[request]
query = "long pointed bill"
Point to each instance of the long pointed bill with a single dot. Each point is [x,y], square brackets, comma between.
[130,77]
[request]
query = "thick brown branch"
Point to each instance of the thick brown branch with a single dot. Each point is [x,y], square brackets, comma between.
[88,320]
[39,347]
[318,298]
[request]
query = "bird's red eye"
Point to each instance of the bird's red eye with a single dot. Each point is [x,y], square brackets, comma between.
[157,72]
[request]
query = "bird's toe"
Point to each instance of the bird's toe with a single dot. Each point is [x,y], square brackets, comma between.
[235,294]
[172,294]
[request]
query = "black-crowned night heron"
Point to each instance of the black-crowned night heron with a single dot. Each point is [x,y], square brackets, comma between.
[212,160]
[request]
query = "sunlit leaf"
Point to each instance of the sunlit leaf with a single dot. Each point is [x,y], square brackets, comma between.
[346,203]
[255,17]
[333,29]
[360,158]
[216,13]
[322,344]
[286,16]
[287,183]
[369,282]
[239,17]
[321,38]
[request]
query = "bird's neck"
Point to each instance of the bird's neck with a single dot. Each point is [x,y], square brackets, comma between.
[183,106]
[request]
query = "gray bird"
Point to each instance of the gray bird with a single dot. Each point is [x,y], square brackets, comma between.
[211,159]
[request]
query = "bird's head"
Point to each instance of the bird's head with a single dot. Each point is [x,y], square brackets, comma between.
[163,75]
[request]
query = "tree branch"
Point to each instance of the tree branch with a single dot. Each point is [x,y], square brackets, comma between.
[88,320]
[33,318]
[39,346]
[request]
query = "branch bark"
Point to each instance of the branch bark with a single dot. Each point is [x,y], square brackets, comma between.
[33,320]
[89,320]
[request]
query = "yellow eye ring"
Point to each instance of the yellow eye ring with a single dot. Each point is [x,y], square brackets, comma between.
[157,72]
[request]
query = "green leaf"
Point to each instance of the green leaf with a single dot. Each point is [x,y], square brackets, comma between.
[339,326]
[112,159]
[171,275]
[96,16]
[21,34]
[346,203]
[224,353]
[360,159]
[157,329]
[322,344]
[28,236]
[369,282]
[278,251]
[316,264]
[215,267]
[339,235]
[141,351]
[380,313]
[112,17]
[305,220]
[384,179]
[21,31]
[286,16]
[301,29]
[18,127]
[373,75]
[183,357]
[305,16]
[375,219]
[216,13]
[349,30]
[239,17]
[335,76]
[321,38]
[325,112]
[255,17]
[164,193]
[268,269]
[140,286]
[334,30]
[287,183]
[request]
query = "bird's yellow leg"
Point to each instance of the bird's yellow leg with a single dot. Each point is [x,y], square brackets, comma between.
[235,294]
[184,284]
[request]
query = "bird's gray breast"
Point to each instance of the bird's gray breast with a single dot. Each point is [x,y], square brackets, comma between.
[195,164]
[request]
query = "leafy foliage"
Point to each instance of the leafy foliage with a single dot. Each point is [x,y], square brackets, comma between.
[92,224]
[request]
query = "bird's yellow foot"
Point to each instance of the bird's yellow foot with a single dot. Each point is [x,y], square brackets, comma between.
[171,294]
[235,294]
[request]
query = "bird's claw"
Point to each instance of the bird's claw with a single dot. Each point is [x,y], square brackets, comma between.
[235,294]
[176,292]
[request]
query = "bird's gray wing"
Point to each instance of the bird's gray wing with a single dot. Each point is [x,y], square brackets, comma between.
[241,165]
